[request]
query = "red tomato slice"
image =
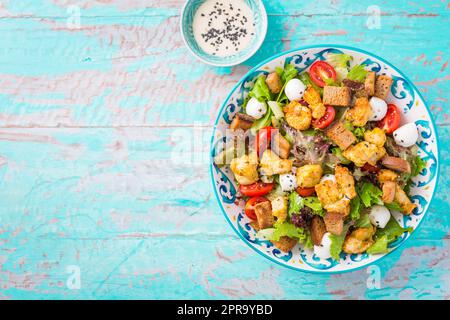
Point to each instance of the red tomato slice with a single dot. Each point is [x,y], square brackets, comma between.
[391,121]
[263,139]
[369,168]
[305,192]
[325,121]
[256,189]
[250,206]
[321,71]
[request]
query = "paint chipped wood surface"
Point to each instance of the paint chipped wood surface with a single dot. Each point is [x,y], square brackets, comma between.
[98,168]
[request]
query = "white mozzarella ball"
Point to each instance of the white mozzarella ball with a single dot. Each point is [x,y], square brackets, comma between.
[288,182]
[326,177]
[379,216]
[256,108]
[294,90]
[323,250]
[406,135]
[379,108]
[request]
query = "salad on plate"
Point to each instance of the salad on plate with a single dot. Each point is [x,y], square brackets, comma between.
[321,159]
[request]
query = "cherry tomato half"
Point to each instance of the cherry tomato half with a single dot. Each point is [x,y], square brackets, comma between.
[305,192]
[391,121]
[250,206]
[263,139]
[321,71]
[326,120]
[256,189]
[369,168]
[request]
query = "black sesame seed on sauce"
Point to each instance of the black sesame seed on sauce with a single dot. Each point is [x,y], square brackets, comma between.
[227,26]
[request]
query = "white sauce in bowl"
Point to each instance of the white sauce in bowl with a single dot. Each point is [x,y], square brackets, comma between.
[223,27]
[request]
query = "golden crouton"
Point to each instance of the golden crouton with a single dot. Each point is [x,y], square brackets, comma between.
[383,86]
[318,229]
[279,208]
[402,199]
[360,113]
[263,212]
[245,168]
[369,83]
[272,164]
[359,240]
[345,181]
[337,96]
[241,121]
[298,116]
[340,135]
[376,136]
[285,243]
[364,152]
[334,222]
[312,97]
[341,206]
[274,83]
[309,175]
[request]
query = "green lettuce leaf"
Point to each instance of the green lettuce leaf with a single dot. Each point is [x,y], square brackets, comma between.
[261,123]
[337,242]
[392,230]
[338,153]
[289,230]
[339,60]
[369,193]
[379,246]
[417,165]
[355,208]
[394,206]
[260,90]
[295,203]
[357,73]
[289,72]
[315,205]
[306,79]
[363,221]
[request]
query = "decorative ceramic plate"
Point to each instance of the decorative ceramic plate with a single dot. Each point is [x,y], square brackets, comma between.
[403,94]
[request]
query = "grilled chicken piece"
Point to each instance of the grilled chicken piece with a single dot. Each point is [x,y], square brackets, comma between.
[388,191]
[359,240]
[345,181]
[396,163]
[376,136]
[402,199]
[280,146]
[272,164]
[312,97]
[242,121]
[274,83]
[364,152]
[360,113]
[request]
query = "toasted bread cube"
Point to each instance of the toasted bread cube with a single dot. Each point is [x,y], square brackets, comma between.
[318,229]
[285,243]
[337,96]
[274,83]
[383,86]
[334,223]
[340,135]
[369,83]
[263,211]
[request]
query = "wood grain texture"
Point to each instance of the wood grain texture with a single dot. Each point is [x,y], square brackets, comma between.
[104,142]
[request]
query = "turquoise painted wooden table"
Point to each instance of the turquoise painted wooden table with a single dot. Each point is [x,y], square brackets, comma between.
[105,124]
